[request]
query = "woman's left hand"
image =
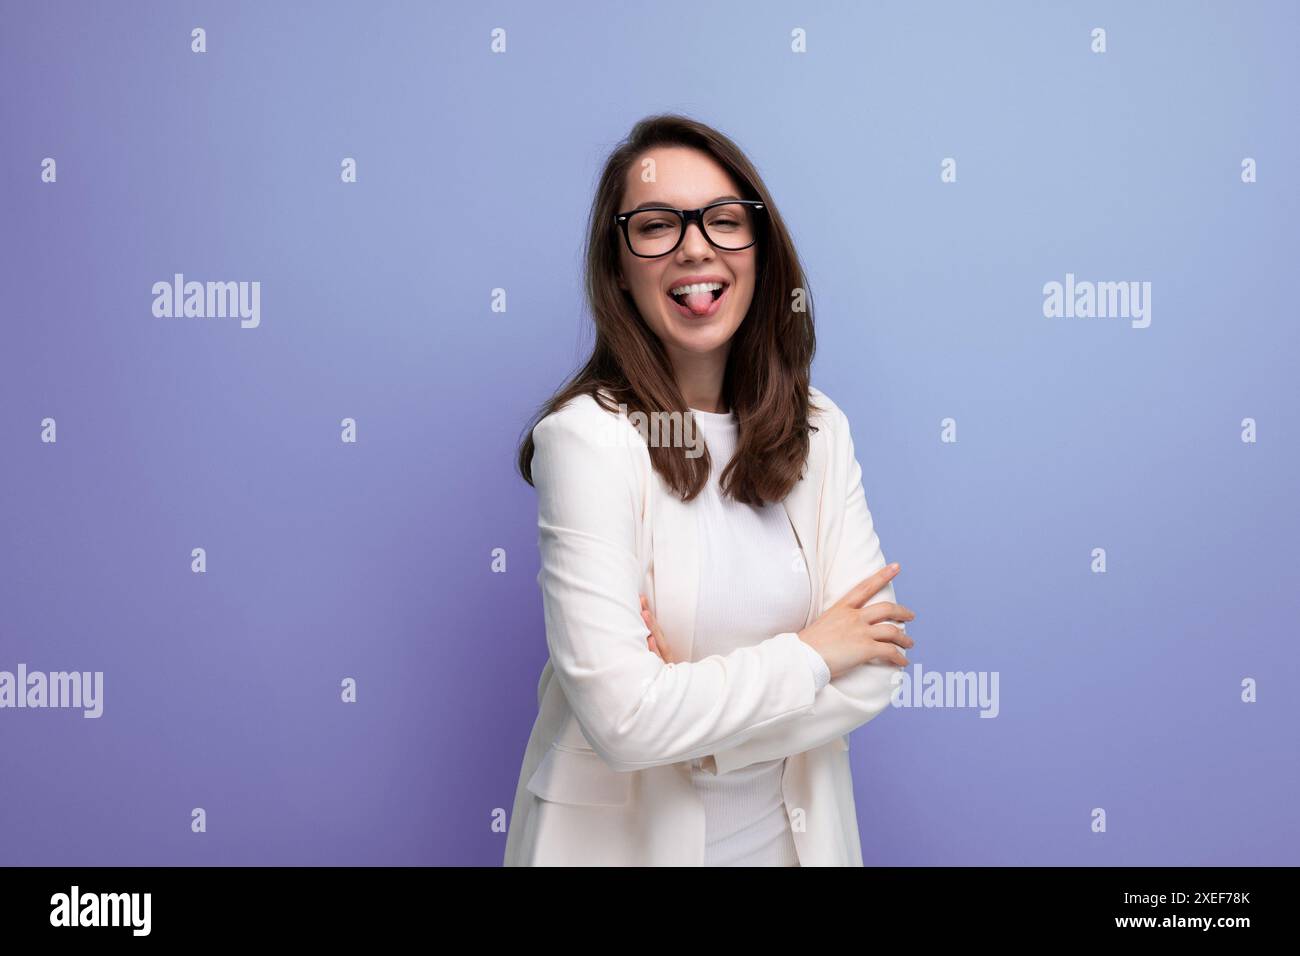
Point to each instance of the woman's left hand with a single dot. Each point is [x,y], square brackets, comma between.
[655,639]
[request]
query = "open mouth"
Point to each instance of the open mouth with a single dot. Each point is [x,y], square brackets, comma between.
[700,303]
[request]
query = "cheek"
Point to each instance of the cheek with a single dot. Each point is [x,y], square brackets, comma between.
[644,286]
[746,296]
[746,273]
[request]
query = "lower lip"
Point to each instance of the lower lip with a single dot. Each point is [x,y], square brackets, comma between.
[688,314]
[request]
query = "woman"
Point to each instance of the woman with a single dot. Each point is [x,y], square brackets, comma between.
[705,593]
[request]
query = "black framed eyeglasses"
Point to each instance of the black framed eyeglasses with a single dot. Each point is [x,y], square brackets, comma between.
[654,231]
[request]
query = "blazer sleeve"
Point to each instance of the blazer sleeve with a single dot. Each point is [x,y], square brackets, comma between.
[850,700]
[636,710]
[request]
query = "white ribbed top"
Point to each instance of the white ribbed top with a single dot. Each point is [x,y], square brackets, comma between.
[752,586]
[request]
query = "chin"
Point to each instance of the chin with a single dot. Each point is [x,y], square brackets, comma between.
[701,340]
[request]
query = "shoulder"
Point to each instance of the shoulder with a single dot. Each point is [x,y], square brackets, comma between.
[821,402]
[583,427]
[589,475]
[824,413]
[577,411]
[840,455]
[579,416]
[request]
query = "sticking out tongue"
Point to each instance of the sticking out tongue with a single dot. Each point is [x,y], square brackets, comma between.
[699,302]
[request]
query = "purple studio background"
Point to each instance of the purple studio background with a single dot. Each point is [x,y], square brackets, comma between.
[372,560]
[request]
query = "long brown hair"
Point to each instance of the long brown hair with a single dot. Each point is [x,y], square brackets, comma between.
[767,373]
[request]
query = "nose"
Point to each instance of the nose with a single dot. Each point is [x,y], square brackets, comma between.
[693,243]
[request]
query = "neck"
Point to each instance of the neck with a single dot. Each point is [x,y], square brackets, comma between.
[699,379]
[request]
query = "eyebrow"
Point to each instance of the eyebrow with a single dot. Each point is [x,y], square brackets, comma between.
[659,202]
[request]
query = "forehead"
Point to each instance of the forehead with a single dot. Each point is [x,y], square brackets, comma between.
[679,176]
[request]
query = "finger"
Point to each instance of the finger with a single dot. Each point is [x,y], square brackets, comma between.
[648,618]
[656,634]
[662,645]
[884,653]
[892,636]
[858,594]
[886,611]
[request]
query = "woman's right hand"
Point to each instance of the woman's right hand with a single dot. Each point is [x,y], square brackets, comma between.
[849,634]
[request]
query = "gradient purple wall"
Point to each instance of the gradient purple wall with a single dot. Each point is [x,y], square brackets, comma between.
[371,560]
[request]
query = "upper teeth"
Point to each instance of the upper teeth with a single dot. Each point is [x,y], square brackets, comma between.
[696,287]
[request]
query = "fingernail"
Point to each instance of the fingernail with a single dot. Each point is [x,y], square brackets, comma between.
[894,566]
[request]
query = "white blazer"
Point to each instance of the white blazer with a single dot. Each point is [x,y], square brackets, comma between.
[605,779]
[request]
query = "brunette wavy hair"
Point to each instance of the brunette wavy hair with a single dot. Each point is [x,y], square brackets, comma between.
[767,373]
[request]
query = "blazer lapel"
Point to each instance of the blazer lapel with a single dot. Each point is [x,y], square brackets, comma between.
[803,506]
[676,569]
